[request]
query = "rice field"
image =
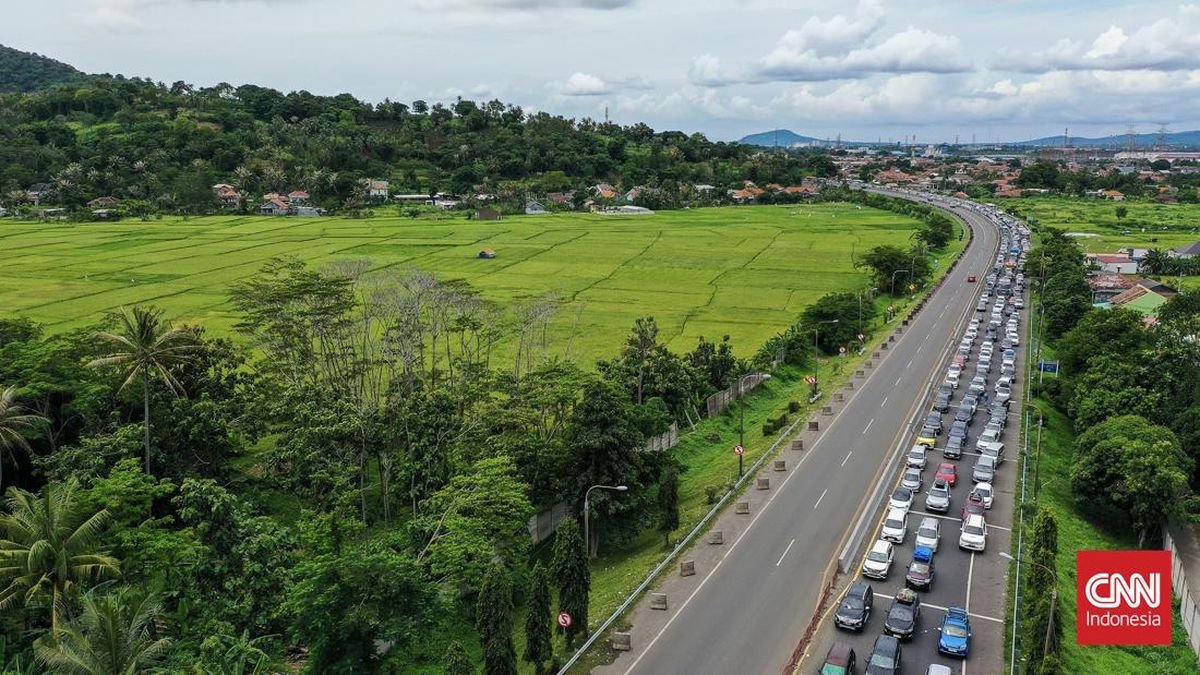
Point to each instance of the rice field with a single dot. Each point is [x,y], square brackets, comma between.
[1147,225]
[745,272]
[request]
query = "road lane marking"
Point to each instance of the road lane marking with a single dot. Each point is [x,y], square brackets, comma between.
[972,614]
[868,425]
[970,573]
[898,379]
[785,552]
[959,520]
[821,497]
[909,364]
[847,457]
[884,402]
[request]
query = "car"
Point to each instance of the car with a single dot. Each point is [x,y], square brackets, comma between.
[938,669]
[962,416]
[998,409]
[929,533]
[973,534]
[934,421]
[971,400]
[927,437]
[978,385]
[1007,343]
[878,562]
[973,507]
[902,498]
[984,470]
[916,455]
[985,493]
[1003,394]
[970,278]
[895,526]
[840,660]
[904,615]
[947,472]
[954,446]
[885,656]
[938,497]
[954,633]
[920,570]
[1020,303]
[982,306]
[989,435]
[942,403]
[952,380]
[946,389]
[983,369]
[855,610]
[912,479]
[1004,381]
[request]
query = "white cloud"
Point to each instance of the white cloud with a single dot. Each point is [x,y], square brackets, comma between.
[115,16]
[583,84]
[1169,43]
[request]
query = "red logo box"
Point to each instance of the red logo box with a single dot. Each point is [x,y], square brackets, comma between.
[1124,597]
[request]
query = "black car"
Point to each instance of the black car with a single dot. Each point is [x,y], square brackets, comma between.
[903,615]
[959,430]
[885,656]
[946,389]
[855,610]
[954,447]
[942,403]
[934,421]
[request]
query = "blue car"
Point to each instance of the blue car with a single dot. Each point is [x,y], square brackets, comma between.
[955,633]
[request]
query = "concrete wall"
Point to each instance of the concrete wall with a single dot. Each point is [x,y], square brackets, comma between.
[1181,541]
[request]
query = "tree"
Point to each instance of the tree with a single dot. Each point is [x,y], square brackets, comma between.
[1040,615]
[639,346]
[1115,332]
[115,634]
[457,661]
[474,519]
[50,546]
[14,422]
[1133,468]
[668,503]
[1122,211]
[573,576]
[894,263]
[538,621]
[1067,298]
[147,348]
[1114,383]
[493,620]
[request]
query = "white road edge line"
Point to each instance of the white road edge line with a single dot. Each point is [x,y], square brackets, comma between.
[847,457]
[821,497]
[785,552]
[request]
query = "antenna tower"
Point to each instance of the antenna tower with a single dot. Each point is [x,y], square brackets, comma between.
[1160,141]
[1130,138]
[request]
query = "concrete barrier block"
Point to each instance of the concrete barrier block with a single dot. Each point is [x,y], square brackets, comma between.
[849,385]
[622,642]
[763,483]
[813,425]
[904,323]
[860,374]
[827,410]
[839,397]
[687,568]
[892,338]
[741,508]
[883,346]
[798,445]
[875,355]
[658,601]
[780,465]
[870,364]
[716,537]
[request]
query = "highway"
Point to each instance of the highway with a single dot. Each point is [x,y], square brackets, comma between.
[749,613]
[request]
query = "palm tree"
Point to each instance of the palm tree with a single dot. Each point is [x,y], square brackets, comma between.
[114,635]
[147,347]
[48,545]
[13,420]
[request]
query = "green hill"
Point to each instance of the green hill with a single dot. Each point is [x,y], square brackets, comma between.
[24,71]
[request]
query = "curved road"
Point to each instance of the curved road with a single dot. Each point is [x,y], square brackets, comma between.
[749,613]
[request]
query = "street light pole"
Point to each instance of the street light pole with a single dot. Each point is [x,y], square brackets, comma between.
[1053,601]
[741,394]
[860,296]
[586,534]
[1037,462]
[894,280]
[816,354]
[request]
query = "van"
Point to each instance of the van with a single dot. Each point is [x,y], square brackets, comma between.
[994,450]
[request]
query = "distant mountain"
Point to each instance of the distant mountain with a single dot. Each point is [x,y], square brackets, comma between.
[1181,139]
[781,137]
[23,72]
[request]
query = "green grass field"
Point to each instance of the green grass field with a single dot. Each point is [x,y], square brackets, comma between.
[1140,228]
[745,272]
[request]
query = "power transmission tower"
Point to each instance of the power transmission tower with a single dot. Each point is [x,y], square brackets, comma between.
[1160,141]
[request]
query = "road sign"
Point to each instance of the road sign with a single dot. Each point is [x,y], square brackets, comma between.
[891,308]
[810,379]
[564,619]
[861,337]
[841,350]
[1048,366]
[739,450]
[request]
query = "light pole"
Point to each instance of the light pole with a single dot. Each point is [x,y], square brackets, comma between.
[894,280]
[1037,463]
[1053,601]
[741,392]
[586,539]
[817,354]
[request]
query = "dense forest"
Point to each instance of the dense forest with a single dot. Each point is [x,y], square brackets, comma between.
[24,72]
[164,147]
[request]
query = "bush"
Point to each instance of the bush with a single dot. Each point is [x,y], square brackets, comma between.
[712,437]
[712,493]
[768,429]
[793,406]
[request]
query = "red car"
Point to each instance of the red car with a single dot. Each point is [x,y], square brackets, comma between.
[973,507]
[971,279]
[947,472]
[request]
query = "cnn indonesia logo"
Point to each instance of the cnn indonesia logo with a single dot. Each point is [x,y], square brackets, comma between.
[1124,597]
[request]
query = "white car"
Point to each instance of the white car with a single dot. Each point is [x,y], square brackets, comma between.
[1003,394]
[973,535]
[929,533]
[895,526]
[984,492]
[879,560]
[916,457]
[902,499]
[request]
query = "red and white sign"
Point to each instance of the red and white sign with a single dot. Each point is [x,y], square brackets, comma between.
[1123,597]
[739,450]
[564,619]
[861,337]
[810,379]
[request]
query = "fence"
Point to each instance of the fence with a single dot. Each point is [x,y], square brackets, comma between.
[545,523]
[718,402]
[1180,540]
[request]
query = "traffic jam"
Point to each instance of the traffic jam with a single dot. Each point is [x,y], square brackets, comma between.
[929,597]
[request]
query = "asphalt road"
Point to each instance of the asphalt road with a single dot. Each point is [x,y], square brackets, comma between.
[749,613]
[975,581]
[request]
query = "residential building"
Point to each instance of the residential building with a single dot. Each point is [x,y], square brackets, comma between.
[1190,251]
[297,197]
[274,205]
[487,214]
[102,202]
[604,191]
[1113,195]
[533,208]
[377,189]
[1118,264]
[1107,285]
[227,195]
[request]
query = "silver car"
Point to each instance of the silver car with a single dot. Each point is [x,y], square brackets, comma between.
[929,532]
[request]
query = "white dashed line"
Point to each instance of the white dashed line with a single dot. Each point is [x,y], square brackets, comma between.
[909,364]
[884,402]
[785,552]
[899,378]
[847,457]
[973,616]
[820,498]
[868,425]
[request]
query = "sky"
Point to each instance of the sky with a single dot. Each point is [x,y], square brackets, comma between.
[934,70]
